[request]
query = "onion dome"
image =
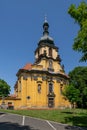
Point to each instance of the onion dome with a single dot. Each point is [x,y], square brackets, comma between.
[46,38]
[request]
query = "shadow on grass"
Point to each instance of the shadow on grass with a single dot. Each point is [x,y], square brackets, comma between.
[77,120]
[80,121]
[14,126]
[68,112]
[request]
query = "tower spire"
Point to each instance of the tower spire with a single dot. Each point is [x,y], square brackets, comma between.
[45,26]
[46,38]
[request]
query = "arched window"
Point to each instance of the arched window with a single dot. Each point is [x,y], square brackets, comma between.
[39,88]
[50,64]
[50,51]
[20,86]
[61,90]
[50,87]
[61,87]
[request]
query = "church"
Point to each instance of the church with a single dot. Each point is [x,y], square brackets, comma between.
[40,85]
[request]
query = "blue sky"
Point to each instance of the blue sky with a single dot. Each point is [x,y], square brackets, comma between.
[21,28]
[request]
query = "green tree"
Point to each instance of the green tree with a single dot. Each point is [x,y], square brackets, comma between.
[4,88]
[80,15]
[72,94]
[78,79]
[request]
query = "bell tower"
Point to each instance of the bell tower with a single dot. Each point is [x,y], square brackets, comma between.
[46,53]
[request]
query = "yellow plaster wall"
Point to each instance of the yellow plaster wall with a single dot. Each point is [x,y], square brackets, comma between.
[55,53]
[46,48]
[29,88]
[56,66]
[40,99]
[45,64]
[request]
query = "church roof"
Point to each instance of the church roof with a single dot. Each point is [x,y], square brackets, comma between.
[28,66]
[46,38]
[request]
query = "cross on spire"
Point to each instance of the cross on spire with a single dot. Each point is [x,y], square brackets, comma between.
[45,18]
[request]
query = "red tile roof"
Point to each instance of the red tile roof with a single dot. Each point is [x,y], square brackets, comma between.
[28,66]
[13,95]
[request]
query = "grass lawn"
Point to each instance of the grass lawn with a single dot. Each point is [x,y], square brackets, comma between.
[76,117]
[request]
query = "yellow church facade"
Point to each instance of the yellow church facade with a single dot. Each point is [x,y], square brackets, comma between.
[40,85]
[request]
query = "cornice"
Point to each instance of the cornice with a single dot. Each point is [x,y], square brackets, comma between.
[42,72]
[45,56]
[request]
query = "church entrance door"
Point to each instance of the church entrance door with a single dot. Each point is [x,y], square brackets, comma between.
[51,102]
